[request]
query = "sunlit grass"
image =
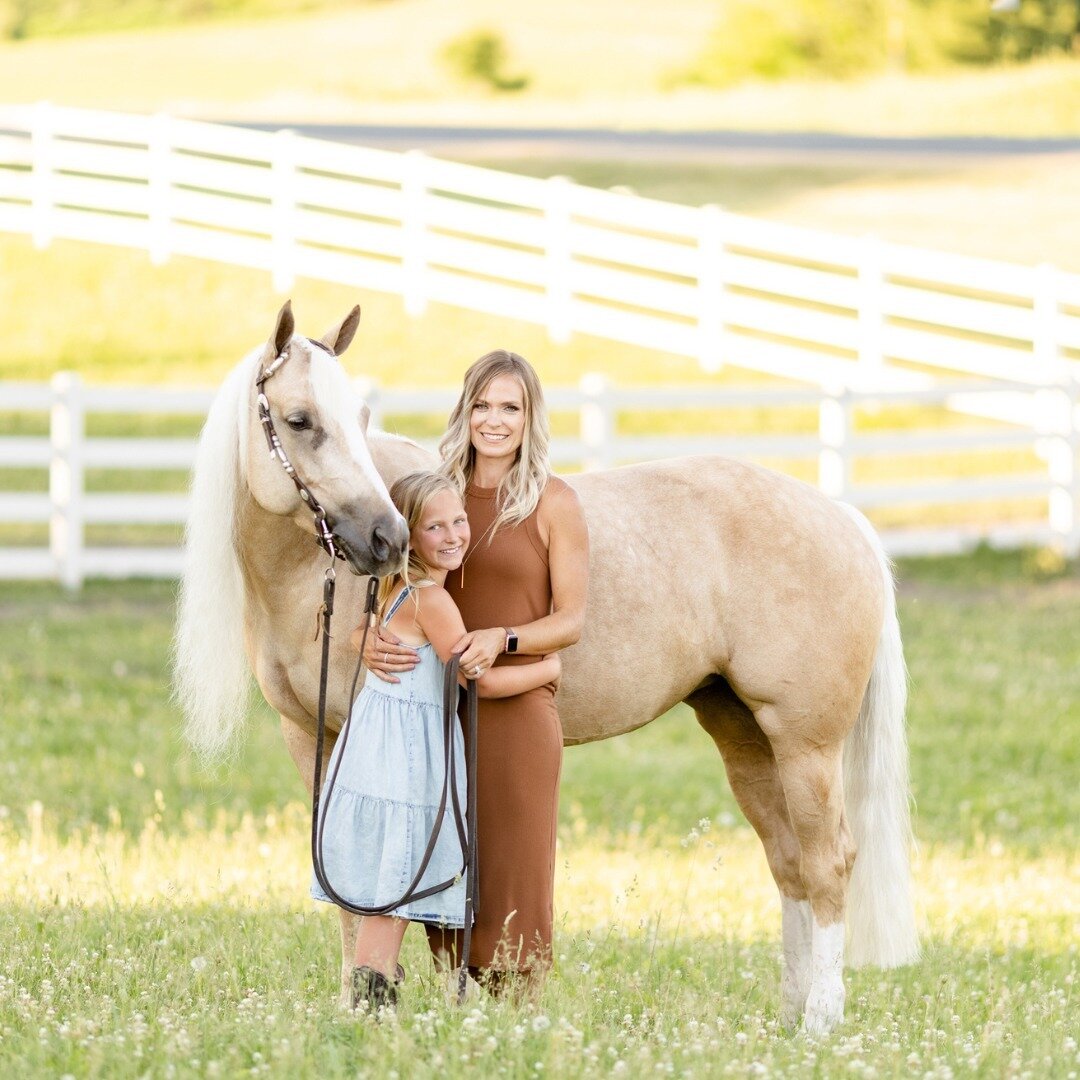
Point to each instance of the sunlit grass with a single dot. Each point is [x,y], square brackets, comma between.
[200,954]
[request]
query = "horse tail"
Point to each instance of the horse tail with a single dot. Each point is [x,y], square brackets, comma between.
[881,915]
[211,678]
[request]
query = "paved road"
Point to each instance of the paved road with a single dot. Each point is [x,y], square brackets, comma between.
[808,147]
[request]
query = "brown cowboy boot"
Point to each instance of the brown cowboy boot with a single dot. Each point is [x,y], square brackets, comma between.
[373,987]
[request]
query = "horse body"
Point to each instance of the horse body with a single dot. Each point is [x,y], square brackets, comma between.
[764,605]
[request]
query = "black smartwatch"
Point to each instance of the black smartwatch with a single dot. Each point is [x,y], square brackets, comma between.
[511,640]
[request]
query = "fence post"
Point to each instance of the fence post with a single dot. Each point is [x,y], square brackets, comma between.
[414,263]
[1045,303]
[66,431]
[1058,407]
[43,158]
[283,209]
[368,389]
[834,431]
[159,151]
[558,257]
[597,421]
[871,340]
[711,305]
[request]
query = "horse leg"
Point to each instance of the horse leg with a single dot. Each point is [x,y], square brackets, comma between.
[301,746]
[812,779]
[755,783]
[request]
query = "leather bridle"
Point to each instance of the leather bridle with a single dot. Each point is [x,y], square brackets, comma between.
[464,821]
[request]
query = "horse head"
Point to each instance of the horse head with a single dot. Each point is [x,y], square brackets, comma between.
[321,425]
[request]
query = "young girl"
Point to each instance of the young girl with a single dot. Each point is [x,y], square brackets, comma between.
[384,803]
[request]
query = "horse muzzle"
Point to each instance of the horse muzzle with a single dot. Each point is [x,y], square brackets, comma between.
[377,547]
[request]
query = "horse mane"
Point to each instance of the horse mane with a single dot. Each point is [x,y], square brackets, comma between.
[211,677]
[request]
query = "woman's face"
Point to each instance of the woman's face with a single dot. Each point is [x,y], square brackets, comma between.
[442,533]
[497,424]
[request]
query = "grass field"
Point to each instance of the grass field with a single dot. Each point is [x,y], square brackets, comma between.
[156,919]
[384,63]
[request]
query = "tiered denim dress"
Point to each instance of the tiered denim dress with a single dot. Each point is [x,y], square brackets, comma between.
[385,799]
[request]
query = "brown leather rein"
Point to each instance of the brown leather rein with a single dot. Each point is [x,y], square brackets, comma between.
[464,819]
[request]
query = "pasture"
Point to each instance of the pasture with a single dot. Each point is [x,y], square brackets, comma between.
[156,919]
[385,63]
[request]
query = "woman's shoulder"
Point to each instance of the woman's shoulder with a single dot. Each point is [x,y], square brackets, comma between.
[558,497]
[557,490]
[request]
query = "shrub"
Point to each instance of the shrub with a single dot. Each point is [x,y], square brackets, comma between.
[777,39]
[481,56]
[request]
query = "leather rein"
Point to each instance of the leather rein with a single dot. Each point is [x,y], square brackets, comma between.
[464,818]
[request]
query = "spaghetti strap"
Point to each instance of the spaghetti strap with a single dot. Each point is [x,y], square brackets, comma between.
[399,599]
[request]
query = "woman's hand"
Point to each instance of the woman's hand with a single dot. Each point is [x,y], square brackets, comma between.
[384,653]
[480,648]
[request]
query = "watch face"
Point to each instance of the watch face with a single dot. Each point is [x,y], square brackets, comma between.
[511,643]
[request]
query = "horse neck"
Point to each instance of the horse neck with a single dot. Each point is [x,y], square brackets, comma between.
[277,558]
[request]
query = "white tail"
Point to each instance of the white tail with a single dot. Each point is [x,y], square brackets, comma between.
[880,909]
[210,670]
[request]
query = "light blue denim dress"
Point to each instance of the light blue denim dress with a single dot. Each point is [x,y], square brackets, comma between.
[386,797]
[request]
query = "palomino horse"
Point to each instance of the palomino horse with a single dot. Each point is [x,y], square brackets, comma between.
[761,603]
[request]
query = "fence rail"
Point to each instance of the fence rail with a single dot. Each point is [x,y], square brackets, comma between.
[829,455]
[696,281]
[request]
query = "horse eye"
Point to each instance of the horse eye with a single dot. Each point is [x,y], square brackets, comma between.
[299,422]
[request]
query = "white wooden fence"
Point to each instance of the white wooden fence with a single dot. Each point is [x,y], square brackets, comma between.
[821,308]
[852,318]
[832,453]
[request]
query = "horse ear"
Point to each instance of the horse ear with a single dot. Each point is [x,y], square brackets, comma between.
[283,332]
[338,338]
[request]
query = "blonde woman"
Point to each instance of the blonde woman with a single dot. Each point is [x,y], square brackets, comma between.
[521,593]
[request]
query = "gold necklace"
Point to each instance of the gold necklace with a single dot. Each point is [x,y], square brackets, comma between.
[473,547]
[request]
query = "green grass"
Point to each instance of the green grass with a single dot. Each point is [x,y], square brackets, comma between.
[156,921]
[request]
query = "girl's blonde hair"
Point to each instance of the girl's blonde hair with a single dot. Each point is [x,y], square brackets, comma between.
[411,494]
[520,490]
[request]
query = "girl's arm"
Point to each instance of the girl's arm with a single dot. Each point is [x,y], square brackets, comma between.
[441,623]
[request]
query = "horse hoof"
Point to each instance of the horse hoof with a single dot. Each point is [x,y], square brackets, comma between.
[823,1013]
[791,1011]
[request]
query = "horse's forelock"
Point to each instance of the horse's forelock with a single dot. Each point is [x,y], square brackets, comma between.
[339,403]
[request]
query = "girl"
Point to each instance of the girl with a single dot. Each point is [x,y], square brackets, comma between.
[385,799]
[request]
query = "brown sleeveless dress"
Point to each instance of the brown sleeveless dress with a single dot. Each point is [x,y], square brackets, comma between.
[519,750]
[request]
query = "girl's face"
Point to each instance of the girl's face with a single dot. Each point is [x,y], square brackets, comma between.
[497,424]
[442,534]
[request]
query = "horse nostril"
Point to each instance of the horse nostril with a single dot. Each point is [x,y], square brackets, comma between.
[380,546]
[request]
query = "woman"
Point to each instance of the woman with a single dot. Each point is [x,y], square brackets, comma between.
[521,592]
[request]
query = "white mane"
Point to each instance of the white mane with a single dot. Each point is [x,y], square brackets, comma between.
[211,677]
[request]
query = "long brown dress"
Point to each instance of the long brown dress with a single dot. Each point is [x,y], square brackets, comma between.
[519,750]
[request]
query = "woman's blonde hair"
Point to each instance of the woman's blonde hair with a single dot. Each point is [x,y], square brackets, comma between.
[411,494]
[520,490]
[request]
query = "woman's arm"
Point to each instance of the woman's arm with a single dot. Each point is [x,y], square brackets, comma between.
[568,564]
[437,615]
